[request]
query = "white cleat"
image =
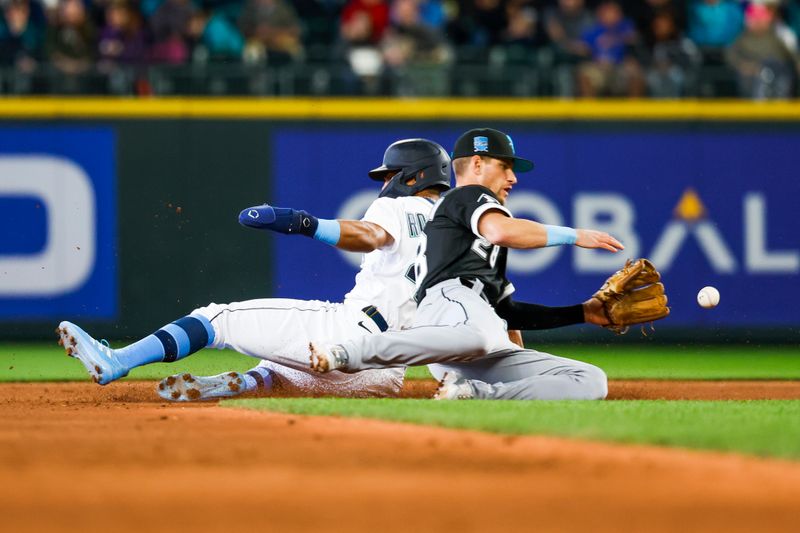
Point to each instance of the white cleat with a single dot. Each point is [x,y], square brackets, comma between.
[453,387]
[326,357]
[97,357]
[188,388]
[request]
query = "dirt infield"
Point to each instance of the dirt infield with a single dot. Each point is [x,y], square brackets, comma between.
[668,390]
[78,457]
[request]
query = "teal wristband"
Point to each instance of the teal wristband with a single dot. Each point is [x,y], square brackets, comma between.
[328,231]
[558,235]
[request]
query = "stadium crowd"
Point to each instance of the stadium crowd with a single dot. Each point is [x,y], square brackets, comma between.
[568,48]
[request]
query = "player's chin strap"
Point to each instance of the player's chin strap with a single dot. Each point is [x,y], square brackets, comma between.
[291,222]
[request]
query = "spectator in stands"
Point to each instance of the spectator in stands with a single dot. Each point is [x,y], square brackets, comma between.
[71,42]
[781,28]
[214,37]
[565,24]
[363,25]
[22,29]
[364,22]
[613,68]
[272,32]
[714,25]
[122,39]
[433,13]
[766,68]
[522,32]
[409,41]
[415,51]
[169,25]
[672,57]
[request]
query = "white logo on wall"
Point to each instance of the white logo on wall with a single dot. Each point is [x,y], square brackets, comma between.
[68,257]
[616,214]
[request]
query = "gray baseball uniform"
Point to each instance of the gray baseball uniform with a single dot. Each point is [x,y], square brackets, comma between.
[461,278]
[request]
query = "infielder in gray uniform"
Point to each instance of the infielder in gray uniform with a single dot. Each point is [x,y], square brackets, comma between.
[465,305]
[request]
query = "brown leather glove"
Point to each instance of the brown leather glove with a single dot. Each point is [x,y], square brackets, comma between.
[633,295]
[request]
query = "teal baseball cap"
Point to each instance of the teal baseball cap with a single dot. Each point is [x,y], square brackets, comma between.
[491,143]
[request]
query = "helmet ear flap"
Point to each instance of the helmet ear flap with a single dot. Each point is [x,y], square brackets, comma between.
[396,186]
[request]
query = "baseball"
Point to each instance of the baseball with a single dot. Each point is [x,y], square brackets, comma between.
[708,297]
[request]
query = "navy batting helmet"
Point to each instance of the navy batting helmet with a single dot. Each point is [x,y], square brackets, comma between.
[418,164]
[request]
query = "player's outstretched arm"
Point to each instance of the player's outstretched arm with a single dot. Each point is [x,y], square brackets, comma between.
[589,238]
[349,235]
[362,236]
[500,229]
[527,316]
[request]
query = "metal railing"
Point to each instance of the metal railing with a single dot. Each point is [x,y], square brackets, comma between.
[498,79]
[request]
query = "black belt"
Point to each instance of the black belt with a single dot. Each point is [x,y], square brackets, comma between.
[372,312]
[470,284]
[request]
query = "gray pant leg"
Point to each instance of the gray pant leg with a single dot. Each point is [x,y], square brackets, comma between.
[452,324]
[530,375]
[417,346]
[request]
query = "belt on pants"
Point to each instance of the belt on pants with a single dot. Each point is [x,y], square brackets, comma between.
[372,312]
[476,285]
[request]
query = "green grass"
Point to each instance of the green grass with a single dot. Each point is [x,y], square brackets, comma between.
[47,362]
[680,361]
[688,361]
[34,362]
[763,428]
[769,428]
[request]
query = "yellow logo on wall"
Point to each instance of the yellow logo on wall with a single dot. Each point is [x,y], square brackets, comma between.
[690,207]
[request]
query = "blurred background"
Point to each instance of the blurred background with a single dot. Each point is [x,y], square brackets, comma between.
[562,48]
[133,133]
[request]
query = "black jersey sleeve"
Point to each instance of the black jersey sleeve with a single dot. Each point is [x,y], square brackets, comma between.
[525,316]
[466,204]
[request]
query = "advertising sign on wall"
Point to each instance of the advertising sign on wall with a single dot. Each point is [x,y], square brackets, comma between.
[58,210]
[709,207]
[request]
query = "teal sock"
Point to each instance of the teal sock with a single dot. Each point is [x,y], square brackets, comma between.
[258,378]
[174,341]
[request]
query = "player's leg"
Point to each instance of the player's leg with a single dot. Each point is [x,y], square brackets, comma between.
[169,343]
[187,387]
[523,375]
[278,331]
[255,327]
[452,324]
[382,383]
[268,376]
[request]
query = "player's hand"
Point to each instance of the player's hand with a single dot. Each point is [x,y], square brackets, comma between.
[594,312]
[259,216]
[588,238]
[281,219]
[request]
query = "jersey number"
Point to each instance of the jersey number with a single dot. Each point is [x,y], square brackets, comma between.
[421,262]
[486,251]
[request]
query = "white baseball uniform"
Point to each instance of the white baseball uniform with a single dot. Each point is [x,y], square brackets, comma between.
[278,330]
[456,328]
